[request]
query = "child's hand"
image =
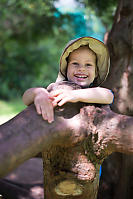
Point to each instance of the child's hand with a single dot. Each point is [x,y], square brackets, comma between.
[63,96]
[44,106]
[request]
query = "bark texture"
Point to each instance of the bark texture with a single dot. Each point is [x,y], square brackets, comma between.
[74,145]
[120,80]
[120,43]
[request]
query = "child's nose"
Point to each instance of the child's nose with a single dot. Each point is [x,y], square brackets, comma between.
[81,66]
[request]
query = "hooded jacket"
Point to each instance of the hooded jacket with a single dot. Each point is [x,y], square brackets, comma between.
[98,47]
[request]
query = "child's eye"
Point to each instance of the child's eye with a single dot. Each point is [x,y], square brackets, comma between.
[88,65]
[75,63]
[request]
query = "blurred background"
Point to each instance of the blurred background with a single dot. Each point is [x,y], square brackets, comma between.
[32,36]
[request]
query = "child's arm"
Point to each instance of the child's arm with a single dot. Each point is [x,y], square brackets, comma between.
[89,95]
[42,100]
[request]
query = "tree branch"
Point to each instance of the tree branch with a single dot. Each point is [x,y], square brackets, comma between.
[100,129]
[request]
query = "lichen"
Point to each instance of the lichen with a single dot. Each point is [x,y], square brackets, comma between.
[68,187]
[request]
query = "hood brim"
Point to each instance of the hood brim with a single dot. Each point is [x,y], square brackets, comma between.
[101,51]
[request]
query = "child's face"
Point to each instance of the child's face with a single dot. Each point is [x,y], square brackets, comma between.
[81,67]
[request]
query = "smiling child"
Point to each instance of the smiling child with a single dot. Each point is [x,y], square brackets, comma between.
[85,61]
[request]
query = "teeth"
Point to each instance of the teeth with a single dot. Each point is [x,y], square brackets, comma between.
[81,76]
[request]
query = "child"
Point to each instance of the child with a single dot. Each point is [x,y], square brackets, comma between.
[85,61]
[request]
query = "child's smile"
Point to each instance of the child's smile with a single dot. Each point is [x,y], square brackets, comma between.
[82,66]
[81,77]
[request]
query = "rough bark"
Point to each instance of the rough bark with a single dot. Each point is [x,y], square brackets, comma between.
[120,42]
[74,145]
[120,80]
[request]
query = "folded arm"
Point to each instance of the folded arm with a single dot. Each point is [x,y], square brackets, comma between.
[97,95]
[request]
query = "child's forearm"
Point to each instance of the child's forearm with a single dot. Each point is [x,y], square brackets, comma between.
[42,101]
[96,95]
[29,95]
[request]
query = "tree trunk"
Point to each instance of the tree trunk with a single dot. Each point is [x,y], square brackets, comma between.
[74,145]
[120,80]
[120,42]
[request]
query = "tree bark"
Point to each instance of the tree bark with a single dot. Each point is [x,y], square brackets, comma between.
[120,42]
[74,145]
[120,80]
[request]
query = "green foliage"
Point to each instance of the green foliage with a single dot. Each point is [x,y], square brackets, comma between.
[30,32]
[103,8]
[25,20]
[19,65]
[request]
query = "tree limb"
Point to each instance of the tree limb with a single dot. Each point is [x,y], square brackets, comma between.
[27,134]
